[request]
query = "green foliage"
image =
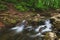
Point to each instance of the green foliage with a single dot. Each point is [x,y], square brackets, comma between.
[11,1]
[46,4]
[39,4]
[3,7]
[51,4]
[25,5]
[20,7]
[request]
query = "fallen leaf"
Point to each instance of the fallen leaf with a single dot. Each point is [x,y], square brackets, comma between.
[1,24]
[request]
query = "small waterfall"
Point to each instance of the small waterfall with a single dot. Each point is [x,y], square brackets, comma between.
[19,28]
[47,28]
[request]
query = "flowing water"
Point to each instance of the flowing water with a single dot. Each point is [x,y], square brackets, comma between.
[21,27]
[30,32]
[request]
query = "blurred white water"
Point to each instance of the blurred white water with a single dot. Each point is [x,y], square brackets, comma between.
[39,27]
[47,28]
[19,28]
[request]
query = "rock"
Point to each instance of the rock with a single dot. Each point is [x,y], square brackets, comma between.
[58,10]
[57,25]
[59,38]
[56,17]
[57,21]
[50,36]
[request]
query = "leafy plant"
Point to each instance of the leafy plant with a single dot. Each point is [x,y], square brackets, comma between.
[20,7]
[3,7]
[39,4]
[51,3]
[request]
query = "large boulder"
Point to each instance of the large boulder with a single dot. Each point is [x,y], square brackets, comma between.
[57,21]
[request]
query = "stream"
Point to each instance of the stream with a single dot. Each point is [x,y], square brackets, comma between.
[44,28]
[21,31]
